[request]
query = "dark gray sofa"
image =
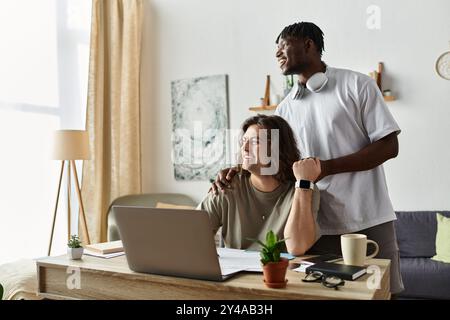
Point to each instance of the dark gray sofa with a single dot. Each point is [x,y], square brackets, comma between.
[423,278]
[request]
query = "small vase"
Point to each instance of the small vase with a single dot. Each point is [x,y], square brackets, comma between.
[75,253]
[275,273]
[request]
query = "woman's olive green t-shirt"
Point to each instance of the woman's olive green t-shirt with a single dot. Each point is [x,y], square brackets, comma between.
[245,213]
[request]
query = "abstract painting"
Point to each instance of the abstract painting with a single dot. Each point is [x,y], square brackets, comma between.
[199,126]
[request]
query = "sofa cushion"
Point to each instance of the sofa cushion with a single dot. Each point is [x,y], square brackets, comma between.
[425,278]
[442,239]
[416,232]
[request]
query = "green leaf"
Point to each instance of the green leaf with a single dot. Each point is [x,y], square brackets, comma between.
[271,239]
[74,242]
[262,245]
[271,250]
[276,255]
[259,242]
[1,292]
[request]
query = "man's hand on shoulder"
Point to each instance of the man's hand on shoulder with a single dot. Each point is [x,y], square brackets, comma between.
[223,180]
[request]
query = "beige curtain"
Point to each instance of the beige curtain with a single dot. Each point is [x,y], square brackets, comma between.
[113,110]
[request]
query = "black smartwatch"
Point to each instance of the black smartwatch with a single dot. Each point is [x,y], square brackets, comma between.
[304,184]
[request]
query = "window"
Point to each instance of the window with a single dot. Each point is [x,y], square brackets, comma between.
[44,57]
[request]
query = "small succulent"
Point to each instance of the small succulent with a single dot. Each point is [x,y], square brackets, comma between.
[74,242]
[271,250]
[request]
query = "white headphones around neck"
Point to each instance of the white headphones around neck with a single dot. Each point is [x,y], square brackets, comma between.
[315,83]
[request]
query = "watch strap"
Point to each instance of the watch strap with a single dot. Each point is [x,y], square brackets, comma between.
[304,184]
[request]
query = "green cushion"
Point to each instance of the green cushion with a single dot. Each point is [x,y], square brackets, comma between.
[442,239]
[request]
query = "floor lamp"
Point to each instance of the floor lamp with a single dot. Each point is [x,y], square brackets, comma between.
[70,145]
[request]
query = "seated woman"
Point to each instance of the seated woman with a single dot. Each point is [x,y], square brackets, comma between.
[264,196]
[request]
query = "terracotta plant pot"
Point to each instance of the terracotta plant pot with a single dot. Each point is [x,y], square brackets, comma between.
[275,273]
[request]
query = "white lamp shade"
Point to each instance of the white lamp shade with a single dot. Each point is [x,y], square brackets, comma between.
[70,145]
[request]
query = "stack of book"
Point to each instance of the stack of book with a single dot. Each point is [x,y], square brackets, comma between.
[105,249]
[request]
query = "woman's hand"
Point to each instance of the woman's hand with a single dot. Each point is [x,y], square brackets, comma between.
[307,169]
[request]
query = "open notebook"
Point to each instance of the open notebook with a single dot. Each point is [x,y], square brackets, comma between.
[236,260]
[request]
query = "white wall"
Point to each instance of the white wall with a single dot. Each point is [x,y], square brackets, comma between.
[191,38]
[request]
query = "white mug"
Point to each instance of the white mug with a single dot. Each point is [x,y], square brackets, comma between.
[354,248]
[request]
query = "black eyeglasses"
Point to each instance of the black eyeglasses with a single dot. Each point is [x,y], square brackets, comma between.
[326,280]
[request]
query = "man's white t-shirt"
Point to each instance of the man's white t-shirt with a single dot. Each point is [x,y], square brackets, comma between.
[345,116]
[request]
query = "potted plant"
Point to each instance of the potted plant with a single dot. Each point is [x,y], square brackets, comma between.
[74,250]
[274,266]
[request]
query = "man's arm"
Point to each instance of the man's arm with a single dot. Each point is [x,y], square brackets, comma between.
[367,158]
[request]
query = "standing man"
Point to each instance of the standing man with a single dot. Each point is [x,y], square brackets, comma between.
[340,117]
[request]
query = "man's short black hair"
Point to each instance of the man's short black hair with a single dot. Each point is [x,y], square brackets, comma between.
[304,30]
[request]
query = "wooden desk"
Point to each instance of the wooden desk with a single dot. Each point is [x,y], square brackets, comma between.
[112,279]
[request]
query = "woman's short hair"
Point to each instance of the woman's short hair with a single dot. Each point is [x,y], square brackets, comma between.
[288,151]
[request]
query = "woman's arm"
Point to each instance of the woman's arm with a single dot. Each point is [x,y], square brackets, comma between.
[300,230]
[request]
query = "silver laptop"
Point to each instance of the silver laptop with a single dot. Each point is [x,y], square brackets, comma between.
[171,242]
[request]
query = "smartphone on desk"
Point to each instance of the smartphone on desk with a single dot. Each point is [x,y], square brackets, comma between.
[329,257]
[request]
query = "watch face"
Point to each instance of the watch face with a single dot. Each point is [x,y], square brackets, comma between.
[304,184]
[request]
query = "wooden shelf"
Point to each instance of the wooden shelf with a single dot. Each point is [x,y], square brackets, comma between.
[389,98]
[263,108]
[266,101]
[377,76]
[273,107]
